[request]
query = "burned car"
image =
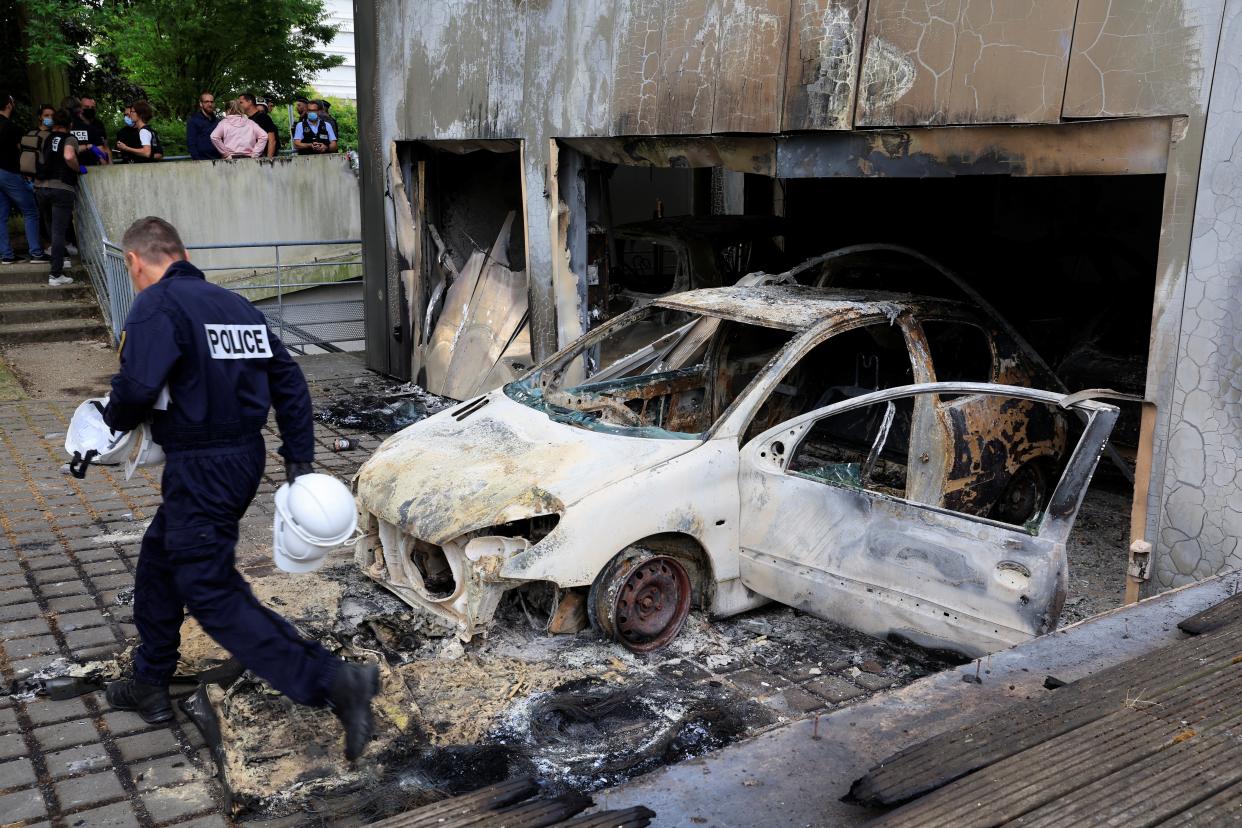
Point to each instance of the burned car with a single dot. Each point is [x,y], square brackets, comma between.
[870,458]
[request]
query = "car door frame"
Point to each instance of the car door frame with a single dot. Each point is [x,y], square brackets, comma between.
[1018,596]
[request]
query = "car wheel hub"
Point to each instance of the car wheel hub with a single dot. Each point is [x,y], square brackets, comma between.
[652,600]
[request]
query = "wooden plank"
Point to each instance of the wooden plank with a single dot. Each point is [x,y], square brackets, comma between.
[1148,793]
[1222,808]
[951,755]
[491,798]
[688,63]
[1142,487]
[636,817]
[750,79]
[534,814]
[825,48]
[1228,611]
[1133,735]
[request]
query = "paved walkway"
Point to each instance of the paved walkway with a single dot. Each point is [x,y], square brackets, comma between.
[68,549]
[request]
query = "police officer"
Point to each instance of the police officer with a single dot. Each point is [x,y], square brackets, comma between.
[209,424]
[313,135]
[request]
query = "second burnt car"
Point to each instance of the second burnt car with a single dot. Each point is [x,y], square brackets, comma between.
[876,459]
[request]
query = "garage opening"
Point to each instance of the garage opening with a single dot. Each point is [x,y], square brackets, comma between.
[1061,260]
[468,308]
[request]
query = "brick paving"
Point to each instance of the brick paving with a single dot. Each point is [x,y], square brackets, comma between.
[67,549]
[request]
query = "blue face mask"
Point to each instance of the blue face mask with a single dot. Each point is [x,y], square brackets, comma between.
[47,122]
[129,121]
[312,116]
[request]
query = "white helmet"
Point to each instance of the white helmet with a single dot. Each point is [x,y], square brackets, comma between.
[149,453]
[314,515]
[89,440]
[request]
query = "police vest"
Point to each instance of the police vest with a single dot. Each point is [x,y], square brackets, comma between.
[55,168]
[310,134]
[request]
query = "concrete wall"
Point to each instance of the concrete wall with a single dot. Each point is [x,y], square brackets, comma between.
[232,202]
[1201,511]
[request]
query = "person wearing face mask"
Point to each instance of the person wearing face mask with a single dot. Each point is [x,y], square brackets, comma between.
[137,143]
[313,135]
[15,191]
[199,128]
[96,143]
[57,193]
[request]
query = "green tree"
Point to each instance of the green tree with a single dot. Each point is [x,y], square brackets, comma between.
[175,49]
[41,39]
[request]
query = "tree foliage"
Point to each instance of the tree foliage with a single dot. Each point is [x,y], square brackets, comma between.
[175,49]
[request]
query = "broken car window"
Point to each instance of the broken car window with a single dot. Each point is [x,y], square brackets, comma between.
[960,352]
[658,373]
[848,364]
[984,455]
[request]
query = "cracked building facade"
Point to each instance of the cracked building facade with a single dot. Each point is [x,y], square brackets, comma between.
[987,133]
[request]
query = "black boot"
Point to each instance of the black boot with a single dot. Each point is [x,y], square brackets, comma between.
[150,701]
[352,690]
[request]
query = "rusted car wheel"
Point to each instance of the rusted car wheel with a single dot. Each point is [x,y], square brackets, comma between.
[640,600]
[1023,496]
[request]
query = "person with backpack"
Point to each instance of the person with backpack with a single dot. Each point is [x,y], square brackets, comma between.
[15,191]
[56,188]
[137,143]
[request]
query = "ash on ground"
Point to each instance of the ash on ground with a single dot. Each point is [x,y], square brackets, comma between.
[382,410]
[575,711]
[1097,551]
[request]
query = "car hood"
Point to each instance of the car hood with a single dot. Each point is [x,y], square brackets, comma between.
[441,477]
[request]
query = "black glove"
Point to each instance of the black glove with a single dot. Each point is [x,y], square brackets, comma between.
[295,470]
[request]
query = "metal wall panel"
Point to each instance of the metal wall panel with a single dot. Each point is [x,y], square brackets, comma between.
[1133,57]
[689,58]
[750,84]
[825,45]
[964,62]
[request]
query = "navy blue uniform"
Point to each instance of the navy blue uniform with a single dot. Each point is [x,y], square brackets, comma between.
[223,369]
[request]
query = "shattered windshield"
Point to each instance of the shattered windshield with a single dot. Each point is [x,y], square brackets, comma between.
[657,373]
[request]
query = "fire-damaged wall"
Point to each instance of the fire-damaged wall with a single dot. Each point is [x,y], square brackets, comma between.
[832,88]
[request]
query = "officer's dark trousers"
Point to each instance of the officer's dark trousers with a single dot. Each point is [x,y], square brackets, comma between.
[186,562]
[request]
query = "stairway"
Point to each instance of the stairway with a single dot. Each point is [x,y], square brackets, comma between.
[32,311]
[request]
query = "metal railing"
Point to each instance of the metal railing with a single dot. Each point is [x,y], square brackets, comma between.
[300,324]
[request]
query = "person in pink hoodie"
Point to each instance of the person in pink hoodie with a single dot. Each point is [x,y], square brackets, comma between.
[237,136]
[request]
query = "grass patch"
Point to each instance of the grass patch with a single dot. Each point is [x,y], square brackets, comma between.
[10,388]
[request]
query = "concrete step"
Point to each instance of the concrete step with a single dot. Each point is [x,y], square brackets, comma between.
[24,273]
[14,313]
[61,330]
[41,291]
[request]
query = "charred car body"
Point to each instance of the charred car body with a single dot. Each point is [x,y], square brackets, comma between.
[867,457]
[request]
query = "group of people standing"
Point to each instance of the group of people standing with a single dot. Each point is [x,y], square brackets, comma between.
[248,131]
[39,171]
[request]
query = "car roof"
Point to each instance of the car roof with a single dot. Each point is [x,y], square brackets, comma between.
[798,307]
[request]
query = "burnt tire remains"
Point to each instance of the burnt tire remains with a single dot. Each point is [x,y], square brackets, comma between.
[641,600]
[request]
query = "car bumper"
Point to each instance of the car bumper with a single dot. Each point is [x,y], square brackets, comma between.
[459,581]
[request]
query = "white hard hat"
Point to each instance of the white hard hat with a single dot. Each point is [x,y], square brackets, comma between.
[149,453]
[314,515]
[89,440]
